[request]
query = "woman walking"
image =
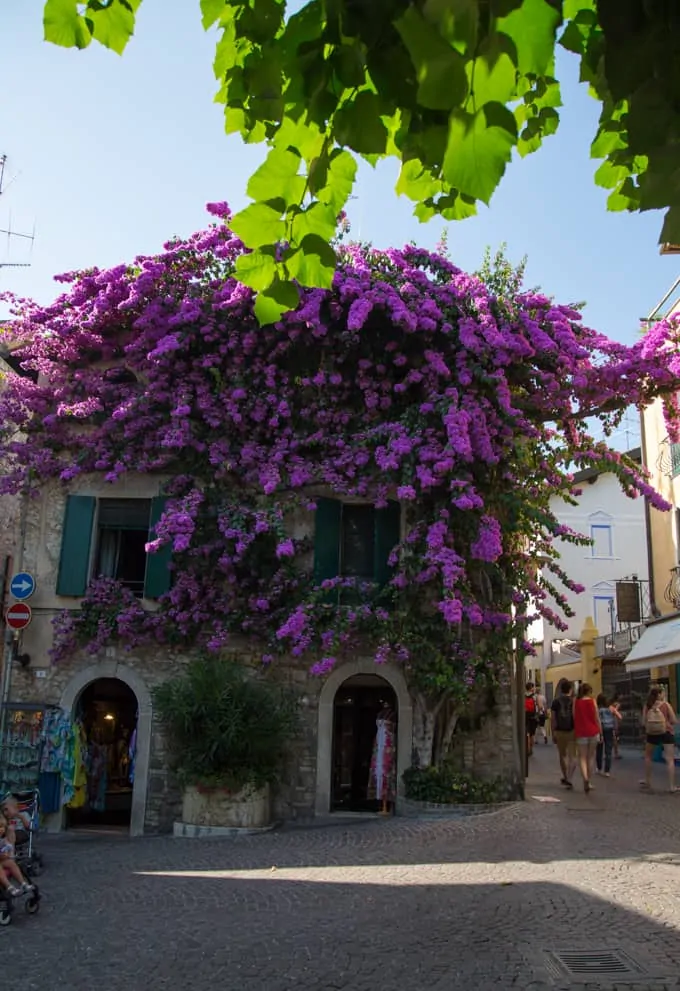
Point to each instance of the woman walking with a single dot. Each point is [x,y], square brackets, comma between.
[659,719]
[588,730]
[609,717]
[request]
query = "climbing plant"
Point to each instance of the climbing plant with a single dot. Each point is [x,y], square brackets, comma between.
[450,88]
[408,381]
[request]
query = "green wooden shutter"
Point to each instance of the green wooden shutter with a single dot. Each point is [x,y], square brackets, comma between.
[327,539]
[387,535]
[158,575]
[76,540]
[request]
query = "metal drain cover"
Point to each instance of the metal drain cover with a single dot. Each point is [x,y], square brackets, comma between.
[602,963]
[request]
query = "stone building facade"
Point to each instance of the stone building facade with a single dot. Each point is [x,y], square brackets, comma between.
[309,782]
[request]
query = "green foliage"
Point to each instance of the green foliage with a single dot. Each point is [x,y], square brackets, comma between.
[224,728]
[443,785]
[448,87]
[498,273]
[73,25]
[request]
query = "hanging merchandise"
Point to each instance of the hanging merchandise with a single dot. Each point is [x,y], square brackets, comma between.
[75,789]
[49,787]
[132,754]
[381,785]
[57,753]
[20,749]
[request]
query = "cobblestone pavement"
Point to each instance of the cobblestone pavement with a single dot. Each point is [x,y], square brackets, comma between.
[469,903]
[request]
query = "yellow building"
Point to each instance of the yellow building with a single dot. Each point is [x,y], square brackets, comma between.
[658,650]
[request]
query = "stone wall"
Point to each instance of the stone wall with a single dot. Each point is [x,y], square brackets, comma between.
[488,751]
[293,797]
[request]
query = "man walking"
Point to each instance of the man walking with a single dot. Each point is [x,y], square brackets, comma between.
[562,722]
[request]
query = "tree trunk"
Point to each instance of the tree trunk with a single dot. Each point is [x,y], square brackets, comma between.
[449,730]
[424,724]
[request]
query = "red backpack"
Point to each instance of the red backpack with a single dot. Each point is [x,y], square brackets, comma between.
[530,705]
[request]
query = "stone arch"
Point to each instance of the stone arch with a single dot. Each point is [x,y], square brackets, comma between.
[112,669]
[324,744]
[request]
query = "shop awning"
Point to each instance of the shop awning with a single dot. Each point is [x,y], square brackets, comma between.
[658,646]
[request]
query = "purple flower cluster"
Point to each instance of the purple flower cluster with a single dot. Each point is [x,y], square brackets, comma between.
[408,380]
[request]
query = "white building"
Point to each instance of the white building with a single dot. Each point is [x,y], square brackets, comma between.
[617,527]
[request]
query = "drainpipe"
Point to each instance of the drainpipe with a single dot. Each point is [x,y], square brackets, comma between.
[8,638]
[648,522]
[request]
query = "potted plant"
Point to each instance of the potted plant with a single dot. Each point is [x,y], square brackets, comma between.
[226,733]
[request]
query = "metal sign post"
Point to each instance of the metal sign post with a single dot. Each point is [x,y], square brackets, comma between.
[6,675]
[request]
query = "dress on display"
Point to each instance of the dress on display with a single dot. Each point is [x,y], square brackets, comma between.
[381,784]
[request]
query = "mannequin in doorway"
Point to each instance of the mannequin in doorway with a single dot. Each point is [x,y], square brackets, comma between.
[381,784]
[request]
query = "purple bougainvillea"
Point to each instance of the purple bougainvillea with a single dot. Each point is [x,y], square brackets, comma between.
[408,380]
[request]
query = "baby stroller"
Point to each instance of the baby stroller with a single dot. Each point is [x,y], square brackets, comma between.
[29,896]
[27,857]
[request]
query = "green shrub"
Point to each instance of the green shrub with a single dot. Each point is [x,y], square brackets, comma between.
[224,728]
[443,785]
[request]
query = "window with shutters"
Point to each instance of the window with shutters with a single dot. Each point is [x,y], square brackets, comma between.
[107,538]
[354,540]
[357,529]
[122,535]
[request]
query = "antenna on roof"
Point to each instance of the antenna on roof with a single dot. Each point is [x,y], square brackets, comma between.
[8,231]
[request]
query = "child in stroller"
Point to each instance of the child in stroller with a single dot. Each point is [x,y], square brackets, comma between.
[21,812]
[14,883]
[9,869]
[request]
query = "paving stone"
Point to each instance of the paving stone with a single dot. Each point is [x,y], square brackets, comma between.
[396,905]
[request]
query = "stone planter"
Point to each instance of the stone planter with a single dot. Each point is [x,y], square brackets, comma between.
[249,808]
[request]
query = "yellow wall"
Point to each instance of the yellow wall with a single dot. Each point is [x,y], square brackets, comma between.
[662,526]
[555,673]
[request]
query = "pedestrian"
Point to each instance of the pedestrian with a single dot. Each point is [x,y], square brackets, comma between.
[616,704]
[530,716]
[11,878]
[587,730]
[659,719]
[542,716]
[609,717]
[562,723]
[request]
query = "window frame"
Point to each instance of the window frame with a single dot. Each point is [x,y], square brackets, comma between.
[593,547]
[611,611]
[139,588]
[81,546]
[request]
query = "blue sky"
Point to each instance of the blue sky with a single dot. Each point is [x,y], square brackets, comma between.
[114,155]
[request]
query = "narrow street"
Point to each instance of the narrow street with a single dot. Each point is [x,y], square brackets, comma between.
[484,901]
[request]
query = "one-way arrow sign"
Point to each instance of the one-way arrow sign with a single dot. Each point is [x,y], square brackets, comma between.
[22,585]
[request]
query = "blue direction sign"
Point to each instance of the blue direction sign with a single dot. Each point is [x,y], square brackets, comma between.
[22,585]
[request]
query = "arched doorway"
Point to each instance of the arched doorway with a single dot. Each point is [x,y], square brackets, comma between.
[394,677]
[106,713]
[355,709]
[107,670]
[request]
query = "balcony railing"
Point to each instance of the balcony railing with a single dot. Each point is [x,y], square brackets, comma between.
[617,645]
[675,460]
[672,591]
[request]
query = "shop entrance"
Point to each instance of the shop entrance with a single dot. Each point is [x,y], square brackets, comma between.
[105,715]
[358,702]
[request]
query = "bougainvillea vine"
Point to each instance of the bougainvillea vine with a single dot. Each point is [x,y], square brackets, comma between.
[408,380]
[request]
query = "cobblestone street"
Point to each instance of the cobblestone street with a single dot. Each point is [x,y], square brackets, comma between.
[479,902]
